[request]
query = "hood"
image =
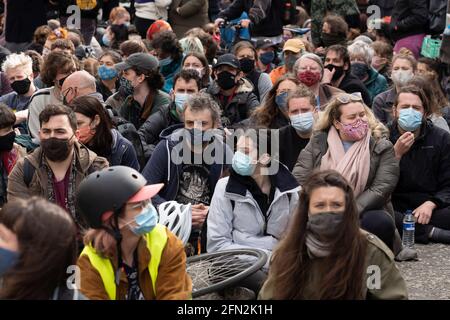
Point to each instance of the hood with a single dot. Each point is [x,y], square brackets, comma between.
[167,132]
[373,75]
[97,96]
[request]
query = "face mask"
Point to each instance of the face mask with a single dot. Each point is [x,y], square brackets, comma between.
[289,61]
[126,87]
[267,57]
[126,24]
[242,164]
[216,38]
[7,141]
[165,62]
[309,78]
[325,223]
[21,86]
[86,134]
[247,65]
[145,221]
[410,119]
[61,81]
[200,71]
[226,80]
[55,149]
[359,70]
[357,130]
[303,122]
[106,73]
[281,100]
[329,39]
[338,71]
[8,259]
[106,41]
[286,38]
[401,77]
[180,99]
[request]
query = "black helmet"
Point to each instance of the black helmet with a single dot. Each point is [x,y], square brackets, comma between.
[109,190]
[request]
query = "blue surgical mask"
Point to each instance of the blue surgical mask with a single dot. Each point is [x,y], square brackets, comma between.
[303,122]
[410,119]
[267,57]
[106,41]
[145,221]
[243,164]
[165,62]
[8,259]
[281,100]
[180,99]
[106,73]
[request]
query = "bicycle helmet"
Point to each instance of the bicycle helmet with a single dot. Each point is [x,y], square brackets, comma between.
[177,217]
[109,190]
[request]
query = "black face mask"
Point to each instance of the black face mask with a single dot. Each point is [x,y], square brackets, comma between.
[329,39]
[7,141]
[338,71]
[226,80]
[55,149]
[247,65]
[61,81]
[21,86]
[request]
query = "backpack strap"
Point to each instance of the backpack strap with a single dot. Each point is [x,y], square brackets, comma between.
[28,172]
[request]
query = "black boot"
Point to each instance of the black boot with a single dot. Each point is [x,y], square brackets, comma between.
[440,235]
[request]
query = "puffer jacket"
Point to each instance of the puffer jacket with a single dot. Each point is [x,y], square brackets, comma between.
[239,107]
[235,220]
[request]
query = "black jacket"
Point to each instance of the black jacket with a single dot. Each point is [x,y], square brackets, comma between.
[424,169]
[409,17]
[265,16]
[150,131]
[351,84]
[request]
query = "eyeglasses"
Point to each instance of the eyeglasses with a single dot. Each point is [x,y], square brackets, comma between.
[347,97]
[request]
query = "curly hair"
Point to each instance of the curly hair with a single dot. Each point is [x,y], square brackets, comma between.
[56,62]
[167,42]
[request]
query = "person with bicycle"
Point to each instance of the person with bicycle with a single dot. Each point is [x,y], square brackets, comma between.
[325,255]
[128,255]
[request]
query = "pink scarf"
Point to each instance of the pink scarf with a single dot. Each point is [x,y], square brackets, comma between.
[354,165]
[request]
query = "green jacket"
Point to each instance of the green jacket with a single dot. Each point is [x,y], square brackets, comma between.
[391,286]
[376,83]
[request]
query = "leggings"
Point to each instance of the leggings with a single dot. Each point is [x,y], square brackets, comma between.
[380,223]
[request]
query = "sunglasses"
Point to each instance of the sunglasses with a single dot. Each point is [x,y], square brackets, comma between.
[348,97]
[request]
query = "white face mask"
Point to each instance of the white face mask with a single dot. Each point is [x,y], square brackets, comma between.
[401,77]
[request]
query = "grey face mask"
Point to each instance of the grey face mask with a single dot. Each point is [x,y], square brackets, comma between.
[319,226]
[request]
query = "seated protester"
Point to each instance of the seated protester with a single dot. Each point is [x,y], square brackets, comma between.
[10,152]
[63,45]
[246,54]
[142,83]
[55,169]
[186,83]
[108,77]
[169,54]
[156,27]
[424,154]
[42,229]
[381,60]
[191,44]
[96,132]
[265,53]
[292,50]
[325,255]
[303,114]
[252,207]
[198,63]
[129,47]
[361,66]
[114,36]
[337,73]
[351,141]
[190,177]
[58,33]
[404,67]
[309,71]
[272,113]
[19,70]
[57,67]
[79,84]
[209,44]
[127,255]
[231,91]
[334,32]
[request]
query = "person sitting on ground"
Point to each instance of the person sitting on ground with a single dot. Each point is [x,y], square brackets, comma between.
[198,62]
[292,50]
[325,255]
[78,84]
[381,60]
[108,77]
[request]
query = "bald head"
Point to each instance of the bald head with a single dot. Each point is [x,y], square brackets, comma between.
[78,84]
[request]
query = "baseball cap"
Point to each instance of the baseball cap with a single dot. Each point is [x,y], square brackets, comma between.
[295,45]
[140,60]
[228,59]
[146,192]
[264,44]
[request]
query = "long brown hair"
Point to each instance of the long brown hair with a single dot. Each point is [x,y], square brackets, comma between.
[268,110]
[47,244]
[343,271]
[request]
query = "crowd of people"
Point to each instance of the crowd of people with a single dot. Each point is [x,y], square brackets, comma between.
[299,130]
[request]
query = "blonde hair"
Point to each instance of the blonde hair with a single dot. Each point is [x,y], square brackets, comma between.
[191,44]
[20,60]
[360,48]
[333,112]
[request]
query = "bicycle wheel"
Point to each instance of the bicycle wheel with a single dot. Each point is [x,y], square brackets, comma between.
[211,272]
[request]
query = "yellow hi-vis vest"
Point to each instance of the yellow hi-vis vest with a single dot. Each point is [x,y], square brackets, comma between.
[156,241]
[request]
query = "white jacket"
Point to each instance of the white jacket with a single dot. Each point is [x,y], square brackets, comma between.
[152,9]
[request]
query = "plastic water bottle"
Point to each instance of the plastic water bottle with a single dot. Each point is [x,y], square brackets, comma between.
[408,229]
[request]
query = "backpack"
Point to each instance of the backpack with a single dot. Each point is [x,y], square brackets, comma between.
[86,4]
[289,12]
[437,16]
